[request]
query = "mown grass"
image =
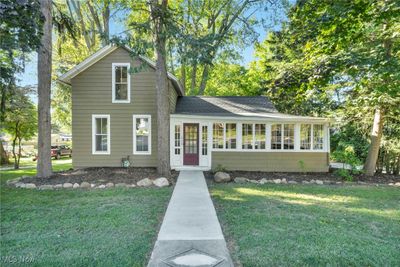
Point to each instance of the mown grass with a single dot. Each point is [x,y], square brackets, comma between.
[112,227]
[296,225]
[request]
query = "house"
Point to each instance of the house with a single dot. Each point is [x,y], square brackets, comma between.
[114,115]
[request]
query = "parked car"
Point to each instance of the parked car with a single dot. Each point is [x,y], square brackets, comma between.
[59,151]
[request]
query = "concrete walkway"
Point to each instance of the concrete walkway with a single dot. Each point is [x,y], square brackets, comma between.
[190,234]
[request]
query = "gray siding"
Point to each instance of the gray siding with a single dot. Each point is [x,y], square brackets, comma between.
[271,161]
[91,94]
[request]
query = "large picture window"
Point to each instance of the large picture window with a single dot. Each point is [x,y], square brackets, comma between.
[101,134]
[318,133]
[259,132]
[288,136]
[121,83]
[218,135]
[230,136]
[276,136]
[305,137]
[141,134]
[247,136]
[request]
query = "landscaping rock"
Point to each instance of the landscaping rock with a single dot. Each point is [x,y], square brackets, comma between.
[254,181]
[292,182]
[263,181]
[13,181]
[284,181]
[58,186]
[312,181]
[85,185]
[161,182]
[338,182]
[67,185]
[222,177]
[397,184]
[92,185]
[46,187]
[109,185]
[20,185]
[30,186]
[102,186]
[76,185]
[145,182]
[361,182]
[119,185]
[131,185]
[305,182]
[240,180]
[319,182]
[277,181]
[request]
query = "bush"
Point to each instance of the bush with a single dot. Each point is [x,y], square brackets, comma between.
[347,156]
[219,168]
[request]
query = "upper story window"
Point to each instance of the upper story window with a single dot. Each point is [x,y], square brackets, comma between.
[101,134]
[142,134]
[121,83]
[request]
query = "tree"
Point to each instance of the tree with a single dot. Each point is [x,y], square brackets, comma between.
[159,16]
[349,48]
[20,121]
[44,92]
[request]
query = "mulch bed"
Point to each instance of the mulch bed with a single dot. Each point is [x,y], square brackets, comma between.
[100,176]
[299,177]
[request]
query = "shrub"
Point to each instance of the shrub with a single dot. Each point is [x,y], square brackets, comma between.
[219,168]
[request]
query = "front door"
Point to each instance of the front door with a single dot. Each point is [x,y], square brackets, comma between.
[190,144]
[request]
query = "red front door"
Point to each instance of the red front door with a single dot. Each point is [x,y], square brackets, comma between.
[190,144]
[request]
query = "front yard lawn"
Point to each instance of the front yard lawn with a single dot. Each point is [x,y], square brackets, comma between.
[300,225]
[111,227]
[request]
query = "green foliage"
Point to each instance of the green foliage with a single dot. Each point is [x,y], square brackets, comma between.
[345,154]
[219,168]
[345,174]
[302,165]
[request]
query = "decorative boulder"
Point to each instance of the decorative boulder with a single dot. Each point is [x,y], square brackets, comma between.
[20,185]
[76,185]
[131,185]
[292,182]
[254,181]
[240,180]
[30,186]
[46,187]
[277,181]
[67,185]
[284,181]
[222,177]
[85,185]
[13,181]
[145,182]
[119,185]
[101,186]
[58,186]
[305,182]
[319,182]
[109,184]
[161,182]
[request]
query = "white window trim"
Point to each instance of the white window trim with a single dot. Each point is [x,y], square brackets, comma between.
[113,82]
[134,117]
[98,116]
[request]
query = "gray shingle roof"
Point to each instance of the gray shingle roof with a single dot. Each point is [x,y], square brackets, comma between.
[224,105]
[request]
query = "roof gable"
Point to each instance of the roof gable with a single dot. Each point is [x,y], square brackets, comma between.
[100,54]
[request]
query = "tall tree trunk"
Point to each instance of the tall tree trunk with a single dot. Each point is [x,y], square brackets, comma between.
[158,14]
[19,151]
[44,92]
[376,135]
[3,154]
[204,79]
[193,79]
[106,23]
[14,143]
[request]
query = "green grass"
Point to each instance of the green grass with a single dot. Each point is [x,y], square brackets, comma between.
[295,225]
[112,227]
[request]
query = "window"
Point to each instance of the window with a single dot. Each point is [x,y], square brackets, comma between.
[276,136]
[218,135]
[318,133]
[101,134]
[141,134]
[121,83]
[259,131]
[230,136]
[177,139]
[288,136]
[204,135]
[305,136]
[247,136]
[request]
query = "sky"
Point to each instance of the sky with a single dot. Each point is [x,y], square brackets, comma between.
[29,76]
